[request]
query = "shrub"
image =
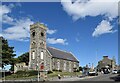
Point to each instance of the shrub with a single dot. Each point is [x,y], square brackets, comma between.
[49,72]
[26,73]
[57,70]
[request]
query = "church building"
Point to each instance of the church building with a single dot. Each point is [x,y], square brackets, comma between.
[48,58]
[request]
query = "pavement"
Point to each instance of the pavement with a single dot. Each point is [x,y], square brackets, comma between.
[103,77]
[74,78]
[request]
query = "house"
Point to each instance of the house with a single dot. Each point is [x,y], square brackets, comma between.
[107,63]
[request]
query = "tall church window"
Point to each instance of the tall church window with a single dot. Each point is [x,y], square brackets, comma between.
[33,55]
[69,66]
[64,65]
[74,65]
[58,64]
[41,54]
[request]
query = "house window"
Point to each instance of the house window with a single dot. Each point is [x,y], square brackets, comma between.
[41,54]
[33,55]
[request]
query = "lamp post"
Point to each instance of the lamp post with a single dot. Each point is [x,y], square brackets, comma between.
[4,73]
[38,70]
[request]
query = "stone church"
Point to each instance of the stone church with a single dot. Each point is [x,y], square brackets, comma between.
[47,58]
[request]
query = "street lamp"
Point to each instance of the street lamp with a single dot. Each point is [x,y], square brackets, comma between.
[4,73]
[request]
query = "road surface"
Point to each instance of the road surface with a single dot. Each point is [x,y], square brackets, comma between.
[103,77]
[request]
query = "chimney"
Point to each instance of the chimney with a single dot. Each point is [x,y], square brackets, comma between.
[105,57]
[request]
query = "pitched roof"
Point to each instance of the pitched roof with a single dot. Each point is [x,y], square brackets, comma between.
[57,53]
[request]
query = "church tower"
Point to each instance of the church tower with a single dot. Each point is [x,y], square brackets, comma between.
[37,54]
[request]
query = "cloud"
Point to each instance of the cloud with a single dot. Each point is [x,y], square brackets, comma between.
[77,39]
[7,19]
[57,41]
[19,31]
[79,9]
[51,31]
[1,35]
[4,14]
[102,28]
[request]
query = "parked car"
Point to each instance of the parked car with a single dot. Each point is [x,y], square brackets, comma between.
[118,71]
[114,71]
[92,73]
[106,72]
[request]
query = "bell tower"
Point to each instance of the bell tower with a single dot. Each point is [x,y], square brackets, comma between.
[37,54]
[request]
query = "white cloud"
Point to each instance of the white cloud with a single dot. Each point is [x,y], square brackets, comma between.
[77,39]
[1,35]
[57,41]
[51,31]
[102,28]
[19,31]
[80,9]
[4,11]
[7,19]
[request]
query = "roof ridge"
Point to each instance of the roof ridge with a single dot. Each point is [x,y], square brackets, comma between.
[74,56]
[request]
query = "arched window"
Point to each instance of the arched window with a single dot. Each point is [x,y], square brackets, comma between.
[33,45]
[33,34]
[42,34]
[64,65]
[58,64]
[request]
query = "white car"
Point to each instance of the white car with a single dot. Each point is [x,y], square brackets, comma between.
[114,71]
[92,73]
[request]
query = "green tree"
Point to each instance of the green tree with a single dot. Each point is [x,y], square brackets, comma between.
[80,68]
[7,53]
[24,58]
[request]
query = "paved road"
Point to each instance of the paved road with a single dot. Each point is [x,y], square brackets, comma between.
[103,77]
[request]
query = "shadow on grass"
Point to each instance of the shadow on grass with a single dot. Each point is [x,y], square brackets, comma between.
[116,78]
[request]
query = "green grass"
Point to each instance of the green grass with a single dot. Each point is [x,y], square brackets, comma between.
[54,74]
[25,75]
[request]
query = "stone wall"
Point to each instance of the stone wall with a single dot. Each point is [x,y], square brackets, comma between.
[20,67]
[64,65]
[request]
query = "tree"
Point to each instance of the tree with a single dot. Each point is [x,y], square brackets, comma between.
[7,53]
[80,68]
[24,58]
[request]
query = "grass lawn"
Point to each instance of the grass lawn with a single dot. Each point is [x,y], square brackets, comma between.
[24,76]
[55,74]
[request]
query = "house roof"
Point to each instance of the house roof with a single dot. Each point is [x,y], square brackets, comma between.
[57,53]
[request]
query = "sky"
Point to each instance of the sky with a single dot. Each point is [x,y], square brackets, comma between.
[88,29]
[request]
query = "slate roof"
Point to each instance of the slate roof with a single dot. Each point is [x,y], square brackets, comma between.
[56,53]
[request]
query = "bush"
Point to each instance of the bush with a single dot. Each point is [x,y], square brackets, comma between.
[60,70]
[26,73]
[49,72]
[57,70]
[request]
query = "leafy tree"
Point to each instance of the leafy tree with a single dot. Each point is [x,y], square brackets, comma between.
[7,53]
[80,68]
[24,58]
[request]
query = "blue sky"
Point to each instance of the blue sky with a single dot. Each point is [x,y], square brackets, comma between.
[69,28]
